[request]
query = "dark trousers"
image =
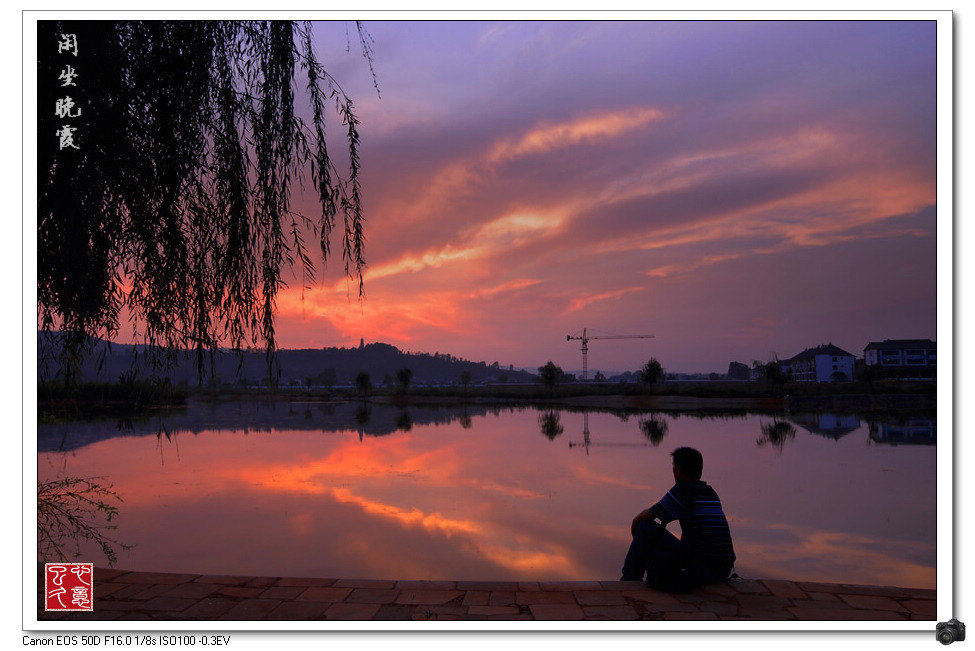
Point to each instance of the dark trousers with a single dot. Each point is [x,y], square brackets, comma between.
[666,561]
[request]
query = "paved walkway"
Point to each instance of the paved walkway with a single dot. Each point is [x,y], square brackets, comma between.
[121,595]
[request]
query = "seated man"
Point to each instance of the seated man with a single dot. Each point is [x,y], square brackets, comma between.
[703,554]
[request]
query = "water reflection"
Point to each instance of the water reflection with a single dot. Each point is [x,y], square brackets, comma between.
[908,432]
[367,490]
[551,424]
[654,428]
[776,433]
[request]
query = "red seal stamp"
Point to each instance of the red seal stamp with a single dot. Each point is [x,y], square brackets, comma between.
[68,586]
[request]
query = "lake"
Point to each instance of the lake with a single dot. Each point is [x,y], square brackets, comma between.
[373,491]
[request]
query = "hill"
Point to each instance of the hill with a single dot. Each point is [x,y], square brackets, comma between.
[107,362]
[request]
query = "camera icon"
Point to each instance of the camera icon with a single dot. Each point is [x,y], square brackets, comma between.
[950,631]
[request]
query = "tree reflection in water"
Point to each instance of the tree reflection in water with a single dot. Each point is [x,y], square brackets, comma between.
[776,434]
[655,429]
[551,424]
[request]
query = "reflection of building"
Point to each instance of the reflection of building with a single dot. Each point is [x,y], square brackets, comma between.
[917,431]
[826,363]
[833,426]
[906,358]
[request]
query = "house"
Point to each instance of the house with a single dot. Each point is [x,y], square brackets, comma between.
[827,363]
[914,358]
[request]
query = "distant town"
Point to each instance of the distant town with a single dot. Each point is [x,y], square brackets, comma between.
[387,366]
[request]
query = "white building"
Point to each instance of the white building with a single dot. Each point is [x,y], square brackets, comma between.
[916,358]
[826,363]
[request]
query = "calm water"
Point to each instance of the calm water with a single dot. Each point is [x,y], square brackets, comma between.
[346,490]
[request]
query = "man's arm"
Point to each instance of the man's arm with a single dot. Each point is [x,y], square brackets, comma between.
[645,514]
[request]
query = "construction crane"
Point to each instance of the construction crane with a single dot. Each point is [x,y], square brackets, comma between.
[585,345]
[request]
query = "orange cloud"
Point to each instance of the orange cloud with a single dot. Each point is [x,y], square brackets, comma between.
[495,236]
[580,302]
[466,173]
[546,138]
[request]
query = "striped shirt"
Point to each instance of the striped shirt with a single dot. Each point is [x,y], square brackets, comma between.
[704,528]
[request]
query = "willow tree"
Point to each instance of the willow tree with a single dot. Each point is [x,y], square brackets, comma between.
[167,157]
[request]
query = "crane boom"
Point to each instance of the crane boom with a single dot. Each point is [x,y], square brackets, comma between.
[585,345]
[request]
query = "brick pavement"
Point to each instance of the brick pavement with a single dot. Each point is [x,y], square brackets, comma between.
[124,596]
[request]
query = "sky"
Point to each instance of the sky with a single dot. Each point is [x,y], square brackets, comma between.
[737,189]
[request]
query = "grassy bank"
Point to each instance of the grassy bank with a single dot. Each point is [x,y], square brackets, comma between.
[140,395]
[56,400]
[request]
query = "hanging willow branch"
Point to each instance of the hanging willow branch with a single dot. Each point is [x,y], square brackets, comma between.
[173,208]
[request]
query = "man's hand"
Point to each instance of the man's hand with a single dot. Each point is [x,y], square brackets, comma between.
[645,514]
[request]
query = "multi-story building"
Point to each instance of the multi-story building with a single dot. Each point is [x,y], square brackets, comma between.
[915,358]
[827,363]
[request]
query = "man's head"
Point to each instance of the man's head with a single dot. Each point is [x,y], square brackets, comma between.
[688,462]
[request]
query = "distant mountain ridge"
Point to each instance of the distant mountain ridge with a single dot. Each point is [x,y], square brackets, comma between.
[107,362]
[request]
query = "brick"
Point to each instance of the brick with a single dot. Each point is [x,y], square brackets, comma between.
[427,597]
[610,613]
[487,586]
[877,590]
[105,589]
[723,589]
[393,612]
[209,608]
[502,598]
[224,579]
[476,598]
[923,607]
[375,584]
[559,612]
[599,598]
[282,592]
[371,596]
[155,578]
[250,610]
[673,607]
[351,612]
[495,611]
[567,586]
[622,585]
[762,606]
[192,590]
[241,592]
[721,609]
[688,616]
[172,604]
[324,594]
[747,586]
[870,602]
[844,614]
[299,610]
[105,575]
[651,596]
[426,585]
[141,591]
[530,598]
[306,582]
[785,589]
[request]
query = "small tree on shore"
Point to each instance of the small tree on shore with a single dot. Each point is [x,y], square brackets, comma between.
[404,376]
[465,379]
[550,374]
[652,372]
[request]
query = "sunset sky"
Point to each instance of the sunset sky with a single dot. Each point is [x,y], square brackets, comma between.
[737,189]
